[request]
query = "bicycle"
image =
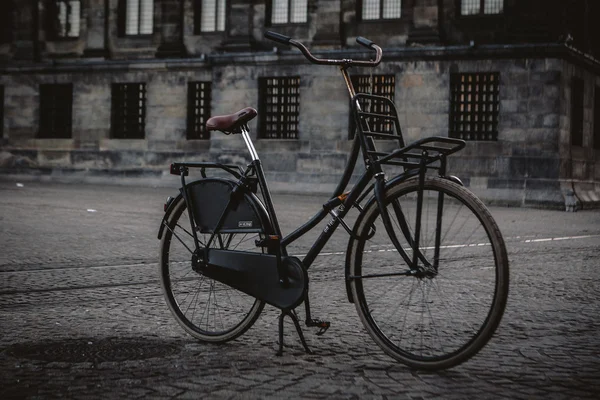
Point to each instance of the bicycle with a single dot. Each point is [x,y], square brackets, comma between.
[426,265]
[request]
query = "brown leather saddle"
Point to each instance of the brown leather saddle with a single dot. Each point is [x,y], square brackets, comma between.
[231,123]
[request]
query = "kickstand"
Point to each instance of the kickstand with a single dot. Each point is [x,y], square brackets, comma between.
[294,318]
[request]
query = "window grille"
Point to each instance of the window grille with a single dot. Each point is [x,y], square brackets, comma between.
[289,11]
[380,9]
[597,118]
[477,7]
[128,110]
[577,111]
[199,96]
[474,106]
[279,107]
[56,105]
[209,15]
[139,17]
[380,85]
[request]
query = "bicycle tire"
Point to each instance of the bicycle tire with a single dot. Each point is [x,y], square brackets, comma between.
[207,309]
[437,322]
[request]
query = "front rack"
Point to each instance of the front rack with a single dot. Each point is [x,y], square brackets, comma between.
[378,119]
[429,150]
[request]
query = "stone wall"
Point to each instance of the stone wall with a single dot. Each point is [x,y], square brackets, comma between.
[526,166]
[531,163]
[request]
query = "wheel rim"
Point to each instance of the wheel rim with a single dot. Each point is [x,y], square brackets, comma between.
[206,308]
[431,319]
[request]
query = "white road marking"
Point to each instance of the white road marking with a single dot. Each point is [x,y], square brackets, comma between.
[551,239]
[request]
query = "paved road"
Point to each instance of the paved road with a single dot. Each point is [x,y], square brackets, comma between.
[82,314]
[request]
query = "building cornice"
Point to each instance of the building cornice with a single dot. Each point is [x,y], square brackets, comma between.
[278,56]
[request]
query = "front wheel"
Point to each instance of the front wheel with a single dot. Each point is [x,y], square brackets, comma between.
[440,318]
[208,310]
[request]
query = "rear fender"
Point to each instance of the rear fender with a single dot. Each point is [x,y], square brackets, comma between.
[170,205]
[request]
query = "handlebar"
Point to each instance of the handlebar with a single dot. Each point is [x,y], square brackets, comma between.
[277,37]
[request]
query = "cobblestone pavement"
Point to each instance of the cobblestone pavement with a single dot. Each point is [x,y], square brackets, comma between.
[82,314]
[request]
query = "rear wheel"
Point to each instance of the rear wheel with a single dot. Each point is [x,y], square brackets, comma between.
[440,319]
[205,308]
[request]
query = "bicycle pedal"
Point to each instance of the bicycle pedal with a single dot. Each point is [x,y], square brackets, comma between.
[322,325]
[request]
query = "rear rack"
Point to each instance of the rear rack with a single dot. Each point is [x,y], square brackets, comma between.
[178,168]
[378,119]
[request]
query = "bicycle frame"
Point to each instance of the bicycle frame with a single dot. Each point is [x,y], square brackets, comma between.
[266,274]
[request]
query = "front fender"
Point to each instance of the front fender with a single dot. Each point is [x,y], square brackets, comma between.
[352,241]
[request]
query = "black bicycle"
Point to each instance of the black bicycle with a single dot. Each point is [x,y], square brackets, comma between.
[426,265]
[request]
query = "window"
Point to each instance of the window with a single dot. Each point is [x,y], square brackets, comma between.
[209,16]
[1,111]
[139,17]
[380,85]
[479,7]
[577,111]
[380,9]
[279,107]
[199,94]
[474,106]
[289,11]
[65,18]
[6,23]
[597,118]
[56,105]
[128,110]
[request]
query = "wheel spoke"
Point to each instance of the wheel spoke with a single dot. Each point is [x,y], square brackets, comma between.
[431,321]
[207,309]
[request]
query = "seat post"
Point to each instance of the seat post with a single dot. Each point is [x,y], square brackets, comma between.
[249,144]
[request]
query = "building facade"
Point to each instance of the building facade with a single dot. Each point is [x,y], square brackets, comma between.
[125,86]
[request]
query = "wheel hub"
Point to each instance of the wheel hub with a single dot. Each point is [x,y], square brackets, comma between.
[198,263]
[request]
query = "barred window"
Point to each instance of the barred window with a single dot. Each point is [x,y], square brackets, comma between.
[577,111]
[209,16]
[128,110]
[139,17]
[56,105]
[380,9]
[289,11]
[478,7]
[279,107]
[596,143]
[199,96]
[380,85]
[474,106]
[64,17]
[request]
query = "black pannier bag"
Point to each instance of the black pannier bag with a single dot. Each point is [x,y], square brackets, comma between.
[210,197]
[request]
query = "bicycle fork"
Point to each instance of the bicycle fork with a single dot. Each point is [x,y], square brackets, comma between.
[413,241]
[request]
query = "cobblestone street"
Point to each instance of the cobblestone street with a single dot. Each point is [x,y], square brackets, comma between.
[82,313]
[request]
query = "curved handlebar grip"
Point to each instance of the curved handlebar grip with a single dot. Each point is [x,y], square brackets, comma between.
[278,37]
[364,42]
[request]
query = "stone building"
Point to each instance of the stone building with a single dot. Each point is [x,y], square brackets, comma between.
[123,87]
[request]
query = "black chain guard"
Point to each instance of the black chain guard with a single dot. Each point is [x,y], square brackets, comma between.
[256,275]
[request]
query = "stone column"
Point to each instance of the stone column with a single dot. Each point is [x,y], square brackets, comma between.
[326,20]
[425,29]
